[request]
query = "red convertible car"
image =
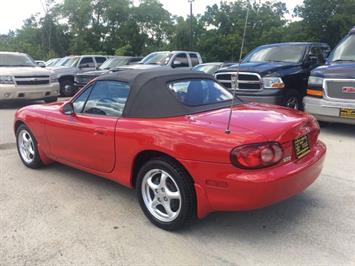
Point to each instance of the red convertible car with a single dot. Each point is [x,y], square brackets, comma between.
[164,134]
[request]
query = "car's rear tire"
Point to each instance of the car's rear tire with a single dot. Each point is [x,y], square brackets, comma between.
[27,147]
[67,88]
[166,193]
[293,100]
[51,99]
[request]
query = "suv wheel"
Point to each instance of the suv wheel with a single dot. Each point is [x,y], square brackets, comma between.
[166,193]
[67,87]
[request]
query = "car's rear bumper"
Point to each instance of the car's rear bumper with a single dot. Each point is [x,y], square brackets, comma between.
[29,92]
[219,188]
[328,111]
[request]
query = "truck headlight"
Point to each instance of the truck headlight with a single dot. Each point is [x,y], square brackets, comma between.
[6,80]
[273,83]
[312,80]
[54,78]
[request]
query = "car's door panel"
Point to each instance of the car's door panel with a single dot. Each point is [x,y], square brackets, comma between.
[87,137]
[83,139]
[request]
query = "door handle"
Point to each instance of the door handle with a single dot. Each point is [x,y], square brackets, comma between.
[100,131]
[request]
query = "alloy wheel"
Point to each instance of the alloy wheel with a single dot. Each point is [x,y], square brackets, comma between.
[26,146]
[161,195]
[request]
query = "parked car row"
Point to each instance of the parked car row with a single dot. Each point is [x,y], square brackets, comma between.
[296,75]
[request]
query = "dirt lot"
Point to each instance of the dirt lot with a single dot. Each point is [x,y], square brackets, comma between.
[59,215]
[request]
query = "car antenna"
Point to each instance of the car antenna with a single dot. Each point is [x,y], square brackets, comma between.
[236,77]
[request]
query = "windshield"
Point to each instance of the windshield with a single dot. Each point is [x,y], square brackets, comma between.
[16,60]
[69,61]
[281,53]
[198,92]
[160,58]
[209,69]
[114,62]
[52,62]
[345,51]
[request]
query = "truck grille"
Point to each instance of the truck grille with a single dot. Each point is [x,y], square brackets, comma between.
[31,80]
[247,81]
[340,88]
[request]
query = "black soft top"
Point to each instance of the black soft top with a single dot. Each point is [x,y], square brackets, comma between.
[150,97]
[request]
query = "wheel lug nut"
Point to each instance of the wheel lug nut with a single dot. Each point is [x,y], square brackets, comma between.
[165,198]
[159,199]
[162,189]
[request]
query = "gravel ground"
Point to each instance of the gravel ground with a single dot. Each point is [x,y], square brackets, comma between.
[59,215]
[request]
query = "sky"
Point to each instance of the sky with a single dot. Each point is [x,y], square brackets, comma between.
[13,12]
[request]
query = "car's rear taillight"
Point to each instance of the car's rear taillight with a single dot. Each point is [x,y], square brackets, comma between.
[255,156]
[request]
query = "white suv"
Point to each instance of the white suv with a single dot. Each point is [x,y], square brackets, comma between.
[22,79]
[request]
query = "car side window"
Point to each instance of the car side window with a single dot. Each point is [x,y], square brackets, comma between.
[100,60]
[316,52]
[81,100]
[181,60]
[87,62]
[107,98]
[196,92]
[194,59]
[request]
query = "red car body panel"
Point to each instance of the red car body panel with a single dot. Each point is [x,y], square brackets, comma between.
[108,146]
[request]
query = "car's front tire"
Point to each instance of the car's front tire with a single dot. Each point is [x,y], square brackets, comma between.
[27,147]
[166,193]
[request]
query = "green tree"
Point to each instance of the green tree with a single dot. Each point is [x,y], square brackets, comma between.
[326,20]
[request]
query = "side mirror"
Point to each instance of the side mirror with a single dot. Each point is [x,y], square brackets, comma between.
[40,64]
[177,63]
[68,108]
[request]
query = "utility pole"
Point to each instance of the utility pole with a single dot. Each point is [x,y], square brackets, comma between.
[191,30]
[46,7]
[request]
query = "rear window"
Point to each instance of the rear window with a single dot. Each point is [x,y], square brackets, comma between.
[199,92]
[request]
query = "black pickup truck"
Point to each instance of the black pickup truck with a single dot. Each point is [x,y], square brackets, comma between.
[275,73]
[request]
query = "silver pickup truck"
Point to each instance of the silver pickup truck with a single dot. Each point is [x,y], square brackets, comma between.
[22,79]
[167,59]
[69,66]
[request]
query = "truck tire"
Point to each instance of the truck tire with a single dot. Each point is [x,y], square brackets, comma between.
[293,100]
[67,87]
